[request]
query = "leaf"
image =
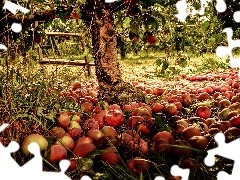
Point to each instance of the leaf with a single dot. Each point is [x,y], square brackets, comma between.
[165,65]
[218,38]
[205,26]
[126,22]
[135,25]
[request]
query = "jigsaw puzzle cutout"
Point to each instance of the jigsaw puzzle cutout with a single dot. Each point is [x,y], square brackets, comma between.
[176,171]
[228,150]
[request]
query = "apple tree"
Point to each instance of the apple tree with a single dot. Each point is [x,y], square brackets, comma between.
[99,17]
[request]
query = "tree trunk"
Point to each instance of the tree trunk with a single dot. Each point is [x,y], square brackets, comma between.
[112,88]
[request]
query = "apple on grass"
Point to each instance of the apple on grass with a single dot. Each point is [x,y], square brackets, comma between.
[39,139]
[171,109]
[82,149]
[138,165]
[67,142]
[181,151]
[223,115]
[161,145]
[55,130]
[57,153]
[83,139]
[198,142]
[64,120]
[163,135]
[190,132]
[110,156]
[203,112]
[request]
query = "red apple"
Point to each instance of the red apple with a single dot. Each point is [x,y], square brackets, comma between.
[64,120]
[138,166]
[84,139]
[82,149]
[66,141]
[114,118]
[163,135]
[171,109]
[190,132]
[203,112]
[57,153]
[110,156]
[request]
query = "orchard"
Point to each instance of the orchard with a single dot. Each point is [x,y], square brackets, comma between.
[156,96]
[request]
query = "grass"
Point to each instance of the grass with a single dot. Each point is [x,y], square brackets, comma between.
[29,97]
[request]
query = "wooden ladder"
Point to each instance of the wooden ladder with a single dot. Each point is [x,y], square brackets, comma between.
[43,60]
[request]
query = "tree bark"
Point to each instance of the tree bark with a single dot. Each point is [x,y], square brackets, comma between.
[112,88]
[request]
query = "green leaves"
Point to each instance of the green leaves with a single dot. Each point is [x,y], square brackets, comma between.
[205,26]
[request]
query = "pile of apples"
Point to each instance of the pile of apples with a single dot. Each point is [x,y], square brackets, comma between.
[194,111]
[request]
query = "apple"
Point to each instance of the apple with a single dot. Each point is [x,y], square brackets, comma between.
[90,124]
[133,121]
[138,145]
[55,130]
[163,135]
[223,115]
[235,121]
[76,118]
[203,112]
[66,141]
[190,163]
[144,129]
[138,165]
[178,130]
[142,111]
[83,139]
[74,133]
[57,153]
[171,109]
[232,114]
[190,132]
[183,122]
[87,106]
[198,142]
[99,118]
[61,134]
[110,156]
[95,134]
[158,91]
[209,89]
[127,108]
[74,124]
[114,107]
[224,103]
[64,120]
[114,118]
[218,125]
[232,133]
[209,121]
[179,106]
[38,138]
[226,124]
[151,39]
[161,145]
[73,164]
[181,151]
[203,96]
[82,149]
[213,131]
[157,107]
[201,126]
